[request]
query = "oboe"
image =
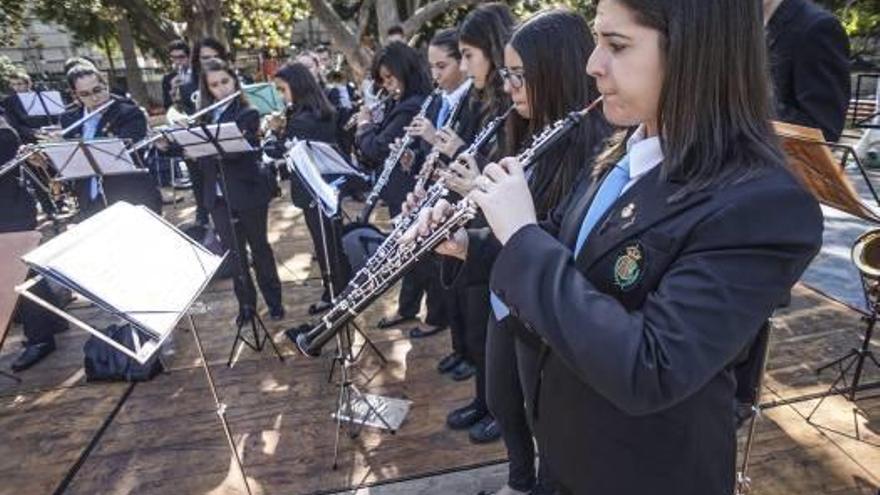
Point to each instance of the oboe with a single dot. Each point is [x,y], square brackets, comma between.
[367,287]
[391,161]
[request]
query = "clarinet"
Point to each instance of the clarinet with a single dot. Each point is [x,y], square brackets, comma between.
[369,285]
[392,162]
[438,190]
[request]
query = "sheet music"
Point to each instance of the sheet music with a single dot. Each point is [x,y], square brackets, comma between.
[68,160]
[34,108]
[196,143]
[328,161]
[301,162]
[129,259]
[112,156]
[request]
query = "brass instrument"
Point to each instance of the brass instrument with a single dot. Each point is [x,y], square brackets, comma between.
[374,280]
[866,256]
[28,154]
[382,98]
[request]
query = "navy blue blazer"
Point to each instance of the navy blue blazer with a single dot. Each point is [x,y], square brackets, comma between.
[635,389]
[18,211]
[123,120]
[809,66]
[246,185]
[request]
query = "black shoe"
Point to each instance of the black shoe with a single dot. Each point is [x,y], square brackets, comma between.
[276,313]
[32,355]
[393,321]
[463,371]
[244,316]
[484,431]
[465,417]
[320,307]
[448,363]
[417,332]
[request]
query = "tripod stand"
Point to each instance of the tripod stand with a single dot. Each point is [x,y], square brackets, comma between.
[248,316]
[856,357]
[344,358]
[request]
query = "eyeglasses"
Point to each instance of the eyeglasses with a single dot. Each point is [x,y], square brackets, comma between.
[515,79]
[96,91]
[179,57]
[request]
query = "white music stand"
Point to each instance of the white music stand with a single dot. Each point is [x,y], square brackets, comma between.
[42,103]
[131,264]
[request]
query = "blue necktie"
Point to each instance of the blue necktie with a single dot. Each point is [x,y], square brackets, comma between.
[89,129]
[607,194]
[443,113]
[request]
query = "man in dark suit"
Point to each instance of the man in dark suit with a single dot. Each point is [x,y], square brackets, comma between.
[122,120]
[809,65]
[180,75]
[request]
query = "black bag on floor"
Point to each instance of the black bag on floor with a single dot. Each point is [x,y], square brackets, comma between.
[105,363]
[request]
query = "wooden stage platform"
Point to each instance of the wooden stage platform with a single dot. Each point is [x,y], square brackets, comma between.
[59,434]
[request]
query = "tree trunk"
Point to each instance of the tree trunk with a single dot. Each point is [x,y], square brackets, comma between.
[343,38]
[387,16]
[428,12]
[204,18]
[134,77]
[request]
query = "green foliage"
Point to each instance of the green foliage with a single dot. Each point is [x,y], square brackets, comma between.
[263,24]
[11,20]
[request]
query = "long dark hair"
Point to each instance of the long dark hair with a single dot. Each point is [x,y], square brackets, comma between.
[206,99]
[195,64]
[404,63]
[554,89]
[307,95]
[488,28]
[714,111]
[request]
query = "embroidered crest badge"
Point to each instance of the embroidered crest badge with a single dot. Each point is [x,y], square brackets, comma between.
[628,268]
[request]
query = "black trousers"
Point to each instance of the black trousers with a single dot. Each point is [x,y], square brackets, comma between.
[250,230]
[423,280]
[505,348]
[468,310]
[196,177]
[39,324]
[339,266]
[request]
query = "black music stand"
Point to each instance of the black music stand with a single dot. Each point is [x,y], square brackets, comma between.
[866,122]
[326,198]
[217,141]
[41,103]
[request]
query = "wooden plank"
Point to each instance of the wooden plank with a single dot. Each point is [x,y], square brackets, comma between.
[43,434]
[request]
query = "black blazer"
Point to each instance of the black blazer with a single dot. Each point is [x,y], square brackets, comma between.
[373,142]
[809,66]
[641,330]
[123,120]
[18,211]
[247,186]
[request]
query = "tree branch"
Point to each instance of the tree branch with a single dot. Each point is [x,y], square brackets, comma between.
[429,11]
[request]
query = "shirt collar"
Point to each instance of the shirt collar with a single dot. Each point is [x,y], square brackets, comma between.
[457,93]
[644,153]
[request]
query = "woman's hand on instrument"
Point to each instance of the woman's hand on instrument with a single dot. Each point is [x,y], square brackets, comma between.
[503,195]
[448,142]
[412,200]
[461,174]
[364,116]
[428,220]
[423,128]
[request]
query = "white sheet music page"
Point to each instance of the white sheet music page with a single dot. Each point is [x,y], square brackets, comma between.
[34,107]
[134,261]
[300,159]
[197,144]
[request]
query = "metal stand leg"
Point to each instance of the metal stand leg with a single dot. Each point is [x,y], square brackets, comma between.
[260,336]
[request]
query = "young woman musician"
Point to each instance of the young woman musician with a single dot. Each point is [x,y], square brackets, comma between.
[123,120]
[246,192]
[404,77]
[482,37]
[311,116]
[543,91]
[660,270]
